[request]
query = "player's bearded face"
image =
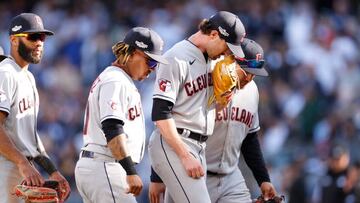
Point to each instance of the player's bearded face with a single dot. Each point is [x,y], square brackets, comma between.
[31,55]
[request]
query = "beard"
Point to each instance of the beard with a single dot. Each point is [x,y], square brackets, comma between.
[27,53]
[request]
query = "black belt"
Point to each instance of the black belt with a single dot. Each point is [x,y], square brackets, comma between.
[195,136]
[87,154]
[212,173]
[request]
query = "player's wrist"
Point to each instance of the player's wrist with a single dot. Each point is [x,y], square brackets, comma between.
[128,165]
[45,163]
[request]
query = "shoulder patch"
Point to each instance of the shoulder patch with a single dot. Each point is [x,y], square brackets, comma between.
[113,105]
[164,85]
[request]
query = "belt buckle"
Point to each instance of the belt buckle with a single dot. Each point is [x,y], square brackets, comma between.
[186,133]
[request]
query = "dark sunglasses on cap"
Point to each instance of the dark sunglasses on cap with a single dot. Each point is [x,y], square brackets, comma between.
[32,36]
[152,63]
[252,63]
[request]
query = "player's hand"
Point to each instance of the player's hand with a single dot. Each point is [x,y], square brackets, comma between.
[268,190]
[31,176]
[193,167]
[63,184]
[135,184]
[156,190]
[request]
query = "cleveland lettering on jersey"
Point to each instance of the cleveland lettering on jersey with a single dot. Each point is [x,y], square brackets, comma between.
[242,115]
[198,84]
[134,112]
[25,104]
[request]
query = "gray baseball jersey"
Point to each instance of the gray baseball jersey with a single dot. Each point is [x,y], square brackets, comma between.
[20,100]
[112,95]
[186,82]
[223,148]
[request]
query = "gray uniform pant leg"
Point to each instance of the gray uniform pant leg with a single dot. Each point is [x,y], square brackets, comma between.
[101,182]
[181,187]
[9,178]
[229,188]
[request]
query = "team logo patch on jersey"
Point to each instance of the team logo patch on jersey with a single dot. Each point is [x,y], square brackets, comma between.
[113,105]
[2,96]
[164,85]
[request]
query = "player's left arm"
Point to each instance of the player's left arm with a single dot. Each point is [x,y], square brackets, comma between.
[253,156]
[116,141]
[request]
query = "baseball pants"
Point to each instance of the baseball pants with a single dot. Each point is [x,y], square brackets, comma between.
[99,181]
[181,187]
[228,188]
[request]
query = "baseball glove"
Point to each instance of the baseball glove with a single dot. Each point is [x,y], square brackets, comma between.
[48,193]
[225,80]
[275,199]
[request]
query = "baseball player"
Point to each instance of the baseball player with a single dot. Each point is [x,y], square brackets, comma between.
[183,119]
[235,132]
[20,145]
[114,128]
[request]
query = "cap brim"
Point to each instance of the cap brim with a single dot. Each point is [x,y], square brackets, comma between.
[256,71]
[47,32]
[157,58]
[236,50]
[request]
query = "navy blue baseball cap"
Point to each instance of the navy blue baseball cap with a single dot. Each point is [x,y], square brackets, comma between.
[27,23]
[231,30]
[253,61]
[148,41]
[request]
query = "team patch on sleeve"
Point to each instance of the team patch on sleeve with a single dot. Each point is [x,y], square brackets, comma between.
[113,105]
[164,85]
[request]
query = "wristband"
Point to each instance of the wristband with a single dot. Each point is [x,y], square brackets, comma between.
[45,163]
[128,165]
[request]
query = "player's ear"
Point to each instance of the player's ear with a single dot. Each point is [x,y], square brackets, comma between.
[131,56]
[14,40]
[214,34]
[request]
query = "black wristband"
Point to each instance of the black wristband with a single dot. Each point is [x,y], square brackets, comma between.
[128,165]
[45,163]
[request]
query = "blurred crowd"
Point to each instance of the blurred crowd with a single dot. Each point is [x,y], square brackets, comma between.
[309,106]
